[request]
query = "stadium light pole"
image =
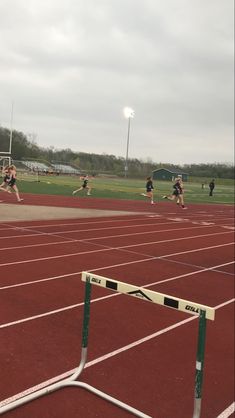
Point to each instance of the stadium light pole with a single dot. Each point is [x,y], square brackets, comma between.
[129,114]
[10,145]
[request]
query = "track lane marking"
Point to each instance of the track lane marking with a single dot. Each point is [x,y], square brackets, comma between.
[143,217]
[228,411]
[113,249]
[65,308]
[60,233]
[89,239]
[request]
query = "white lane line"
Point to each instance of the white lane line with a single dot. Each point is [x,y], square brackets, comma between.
[143,218]
[86,222]
[106,356]
[66,308]
[90,239]
[62,234]
[73,231]
[228,411]
[76,273]
[112,249]
[55,311]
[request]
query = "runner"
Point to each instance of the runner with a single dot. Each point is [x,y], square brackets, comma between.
[84,186]
[177,193]
[9,181]
[149,190]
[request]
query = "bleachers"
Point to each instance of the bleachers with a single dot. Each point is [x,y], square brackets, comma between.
[36,166]
[42,168]
[66,169]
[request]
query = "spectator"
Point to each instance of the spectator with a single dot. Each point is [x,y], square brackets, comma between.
[211,186]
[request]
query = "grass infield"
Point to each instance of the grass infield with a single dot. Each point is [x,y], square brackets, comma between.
[117,188]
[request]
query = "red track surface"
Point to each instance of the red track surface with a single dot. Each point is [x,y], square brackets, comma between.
[187,254]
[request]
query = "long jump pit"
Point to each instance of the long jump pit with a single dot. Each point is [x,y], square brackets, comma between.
[9,212]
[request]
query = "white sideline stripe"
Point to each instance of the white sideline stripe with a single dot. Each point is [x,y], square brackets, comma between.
[89,239]
[228,411]
[104,357]
[66,308]
[111,249]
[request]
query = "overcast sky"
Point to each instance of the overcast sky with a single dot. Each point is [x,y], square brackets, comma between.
[71,66]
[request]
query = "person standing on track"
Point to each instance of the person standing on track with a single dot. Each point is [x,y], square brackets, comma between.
[177,193]
[84,186]
[149,190]
[9,182]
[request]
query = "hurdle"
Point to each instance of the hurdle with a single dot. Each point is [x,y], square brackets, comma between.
[202,311]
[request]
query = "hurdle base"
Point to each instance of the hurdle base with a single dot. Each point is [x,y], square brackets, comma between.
[69,383]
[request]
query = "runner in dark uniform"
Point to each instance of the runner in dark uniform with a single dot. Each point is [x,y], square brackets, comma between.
[10,182]
[84,186]
[177,193]
[149,190]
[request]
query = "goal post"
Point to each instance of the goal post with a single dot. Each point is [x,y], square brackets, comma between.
[4,161]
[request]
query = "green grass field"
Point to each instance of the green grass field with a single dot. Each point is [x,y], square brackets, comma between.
[118,188]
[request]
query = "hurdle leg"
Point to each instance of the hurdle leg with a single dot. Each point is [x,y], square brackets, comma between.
[78,371]
[200,364]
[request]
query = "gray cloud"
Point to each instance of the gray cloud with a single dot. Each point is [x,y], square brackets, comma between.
[71,67]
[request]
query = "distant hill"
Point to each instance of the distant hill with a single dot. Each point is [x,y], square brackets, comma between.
[23,148]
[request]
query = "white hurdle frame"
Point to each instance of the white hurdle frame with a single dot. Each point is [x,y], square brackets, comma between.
[204,312]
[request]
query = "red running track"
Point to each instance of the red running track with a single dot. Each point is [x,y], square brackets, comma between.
[140,353]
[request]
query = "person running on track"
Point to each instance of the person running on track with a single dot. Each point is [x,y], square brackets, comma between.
[177,193]
[149,189]
[9,181]
[6,177]
[84,186]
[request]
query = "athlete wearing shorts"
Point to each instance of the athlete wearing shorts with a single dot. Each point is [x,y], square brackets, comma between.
[10,182]
[177,193]
[149,189]
[84,186]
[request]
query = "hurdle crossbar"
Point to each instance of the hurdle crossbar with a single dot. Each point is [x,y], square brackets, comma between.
[204,313]
[149,295]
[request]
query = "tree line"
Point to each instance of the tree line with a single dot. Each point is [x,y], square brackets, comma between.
[24,148]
